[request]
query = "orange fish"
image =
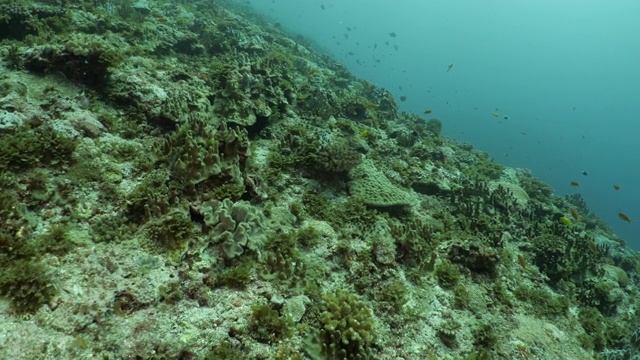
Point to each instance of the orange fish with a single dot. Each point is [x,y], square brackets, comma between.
[574,214]
[624,217]
[575,183]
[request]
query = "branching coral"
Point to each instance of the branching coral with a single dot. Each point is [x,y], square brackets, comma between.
[348,328]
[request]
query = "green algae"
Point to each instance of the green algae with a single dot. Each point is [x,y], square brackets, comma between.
[30,146]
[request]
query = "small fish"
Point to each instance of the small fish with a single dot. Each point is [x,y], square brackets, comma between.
[392,34]
[370,105]
[565,220]
[593,247]
[22,232]
[575,183]
[449,67]
[403,98]
[495,114]
[574,214]
[322,6]
[585,173]
[523,262]
[427,112]
[506,117]
[616,187]
[624,217]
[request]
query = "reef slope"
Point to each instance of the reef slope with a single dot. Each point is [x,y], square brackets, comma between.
[188,181]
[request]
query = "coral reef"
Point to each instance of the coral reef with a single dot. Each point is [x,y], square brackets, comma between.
[186,180]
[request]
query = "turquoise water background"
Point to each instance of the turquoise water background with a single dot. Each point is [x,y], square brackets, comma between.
[566,73]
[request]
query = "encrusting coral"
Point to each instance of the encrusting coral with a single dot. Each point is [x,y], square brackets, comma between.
[371,186]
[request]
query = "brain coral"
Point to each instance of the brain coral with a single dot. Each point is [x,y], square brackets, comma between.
[371,186]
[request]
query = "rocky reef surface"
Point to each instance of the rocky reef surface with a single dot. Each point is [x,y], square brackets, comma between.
[185,180]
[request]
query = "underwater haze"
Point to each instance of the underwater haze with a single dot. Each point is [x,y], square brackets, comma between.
[552,86]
